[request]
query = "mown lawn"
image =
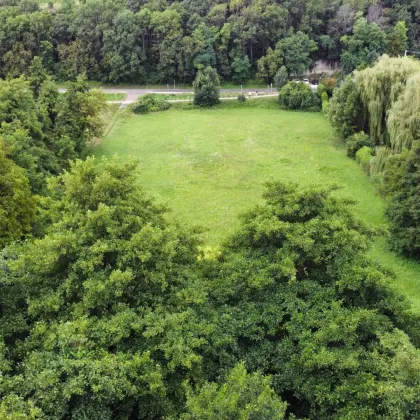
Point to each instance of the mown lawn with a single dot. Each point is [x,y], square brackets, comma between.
[115,96]
[209,166]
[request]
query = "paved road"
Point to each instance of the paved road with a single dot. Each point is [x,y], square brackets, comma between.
[132,94]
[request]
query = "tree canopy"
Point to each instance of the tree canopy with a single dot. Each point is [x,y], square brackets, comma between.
[114,313]
[152,41]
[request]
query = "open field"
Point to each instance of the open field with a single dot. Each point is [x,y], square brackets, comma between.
[209,166]
[115,96]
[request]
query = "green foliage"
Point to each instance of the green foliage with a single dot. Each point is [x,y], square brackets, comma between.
[109,327]
[325,101]
[206,87]
[379,161]
[345,110]
[379,88]
[295,296]
[397,40]
[296,50]
[403,122]
[150,103]
[156,41]
[281,78]
[321,89]
[269,65]
[402,187]
[356,142]
[299,96]
[363,158]
[13,407]
[43,132]
[37,75]
[243,396]
[329,84]
[241,98]
[240,68]
[17,207]
[363,48]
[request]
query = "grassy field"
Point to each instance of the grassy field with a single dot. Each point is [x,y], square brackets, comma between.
[209,166]
[115,96]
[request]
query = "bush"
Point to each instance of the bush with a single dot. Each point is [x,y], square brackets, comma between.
[241,98]
[140,108]
[356,142]
[299,96]
[281,78]
[324,100]
[329,84]
[164,106]
[345,110]
[150,103]
[363,157]
[402,186]
[206,87]
[321,89]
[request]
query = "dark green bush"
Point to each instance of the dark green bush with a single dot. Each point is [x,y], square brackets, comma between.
[356,142]
[140,108]
[363,157]
[402,188]
[299,96]
[241,98]
[150,103]
[206,87]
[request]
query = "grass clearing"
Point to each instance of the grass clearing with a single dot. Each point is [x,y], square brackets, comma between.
[208,165]
[115,96]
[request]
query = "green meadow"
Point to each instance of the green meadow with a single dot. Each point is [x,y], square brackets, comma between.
[209,166]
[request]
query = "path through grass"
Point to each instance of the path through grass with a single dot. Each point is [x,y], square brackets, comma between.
[209,166]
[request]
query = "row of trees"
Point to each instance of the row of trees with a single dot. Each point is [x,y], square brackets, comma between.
[113,313]
[383,101]
[160,40]
[41,130]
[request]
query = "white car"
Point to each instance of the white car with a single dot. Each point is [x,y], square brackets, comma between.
[306,81]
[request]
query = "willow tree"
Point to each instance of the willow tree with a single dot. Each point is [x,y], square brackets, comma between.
[404,118]
[380,87]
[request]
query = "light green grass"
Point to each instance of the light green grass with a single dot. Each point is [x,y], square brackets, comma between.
[115,96]
[209,166]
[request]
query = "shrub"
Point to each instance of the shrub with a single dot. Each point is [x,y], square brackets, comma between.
[329,84]
[140,108]
[363,157]
[324,100]
[164,106]
[150,103]
[206,87]
[356,142]
[281,78]
[345,110]
[402,186]
[321,89]
[299,96]
[241,98]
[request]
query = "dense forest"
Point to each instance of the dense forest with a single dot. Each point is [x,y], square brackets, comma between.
[159,41]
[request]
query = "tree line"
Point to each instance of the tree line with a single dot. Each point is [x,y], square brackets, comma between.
[376,111]
[159,41]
